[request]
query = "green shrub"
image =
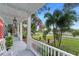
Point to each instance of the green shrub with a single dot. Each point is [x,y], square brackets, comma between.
[9,42]
[24,34]
[75,33]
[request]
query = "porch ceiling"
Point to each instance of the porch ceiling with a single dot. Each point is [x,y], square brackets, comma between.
[19,10]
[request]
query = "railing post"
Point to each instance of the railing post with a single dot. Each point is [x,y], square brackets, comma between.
[58,53]
[54,52]
[4,45]
[51,51]
[37,46]
[42,49]
[48,50]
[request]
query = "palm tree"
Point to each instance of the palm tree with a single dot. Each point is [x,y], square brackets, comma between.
[49,22]
[52,21]
[61,21]
[66,20]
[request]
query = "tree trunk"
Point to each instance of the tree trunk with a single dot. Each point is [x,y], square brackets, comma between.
[54,34]
[60,38]
[48,41]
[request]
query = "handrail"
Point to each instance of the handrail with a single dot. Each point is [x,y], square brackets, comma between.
[52,48]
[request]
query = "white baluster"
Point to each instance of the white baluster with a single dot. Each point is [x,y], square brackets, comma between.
[51,51]
[36,45]
[48,51]
[39,46]
[58,53]
[43,49]
[63,54]
[54,52]
[4,45]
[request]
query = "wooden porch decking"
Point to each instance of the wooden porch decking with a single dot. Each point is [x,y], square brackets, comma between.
[19,48]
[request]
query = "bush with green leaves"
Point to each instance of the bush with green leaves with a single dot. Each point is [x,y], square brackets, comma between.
[9,42]
[24,34]
[75,33]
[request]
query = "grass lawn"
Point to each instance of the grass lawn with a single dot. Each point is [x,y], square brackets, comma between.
[40,35]
[71,45]
[67,44]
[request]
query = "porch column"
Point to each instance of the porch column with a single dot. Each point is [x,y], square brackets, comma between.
[20,30]
[29,33]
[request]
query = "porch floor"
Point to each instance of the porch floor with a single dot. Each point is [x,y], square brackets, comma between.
[19,48]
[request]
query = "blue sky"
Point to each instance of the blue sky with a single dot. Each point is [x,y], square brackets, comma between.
[54,6]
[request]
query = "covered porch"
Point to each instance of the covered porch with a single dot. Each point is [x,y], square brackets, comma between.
[32,47]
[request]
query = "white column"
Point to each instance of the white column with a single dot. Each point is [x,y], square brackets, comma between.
[29,33]
[20,30]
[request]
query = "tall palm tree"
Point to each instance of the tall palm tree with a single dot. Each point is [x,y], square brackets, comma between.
[49,22]
[52,21]
[61,21]
[67,19]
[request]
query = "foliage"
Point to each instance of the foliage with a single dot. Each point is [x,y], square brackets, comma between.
[35,21]
[70,45]
[24,34]
[9,42]
[10,28]
[40,34]
[61,22]
[45,33]
[33,26]
[75,33]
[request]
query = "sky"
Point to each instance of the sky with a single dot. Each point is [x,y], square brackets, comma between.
[54,6]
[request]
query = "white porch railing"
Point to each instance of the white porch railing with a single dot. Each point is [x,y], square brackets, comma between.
[43,49]
[2,46]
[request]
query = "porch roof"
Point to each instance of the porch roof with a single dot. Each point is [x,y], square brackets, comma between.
[19,10]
